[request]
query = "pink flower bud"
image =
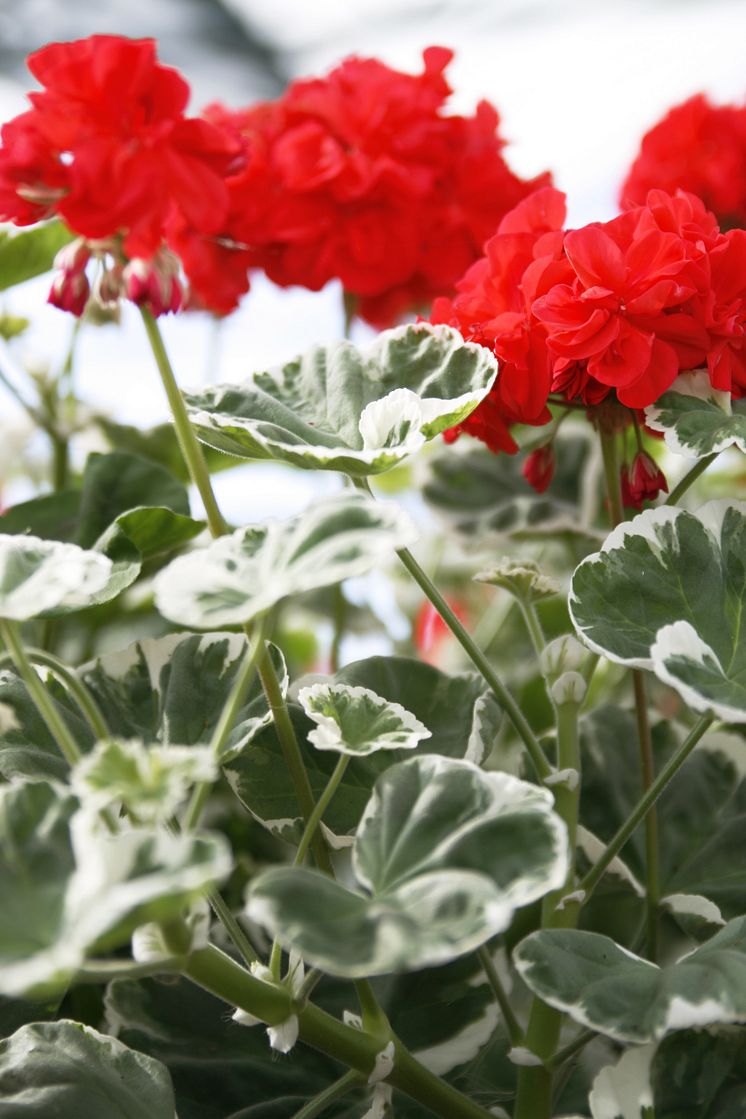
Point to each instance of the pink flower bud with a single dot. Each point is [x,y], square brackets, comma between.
[153,284]
[70,292]
[642,481]
[73,257]
[538,469]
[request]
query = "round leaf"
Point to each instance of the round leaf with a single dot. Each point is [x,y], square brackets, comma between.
[443,856]
[40,578]
[356,721]
[666,592]
[696,419]
[337,408]
[627,998]
[70,1071]
[463,718]
[76,889]
[172,689]
[240,576]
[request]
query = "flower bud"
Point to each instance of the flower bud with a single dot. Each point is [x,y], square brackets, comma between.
[642,481]
[538,469]
[73,257]
[153,284]
[564,654]
[570,687]
[70,292]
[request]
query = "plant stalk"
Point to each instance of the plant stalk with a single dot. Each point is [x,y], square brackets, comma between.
[74,685]
[689,478]
[11,635]
[335,1091]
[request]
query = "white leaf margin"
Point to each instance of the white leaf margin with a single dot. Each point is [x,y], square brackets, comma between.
[328,734]
[696,385]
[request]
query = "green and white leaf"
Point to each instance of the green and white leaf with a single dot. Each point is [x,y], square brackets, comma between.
[340,408]
[427,892]
[623,1090]
[27,253]
[696,419]
[607,988]
[171,690]
[521,579]
[150,781]
[666,592]
[79,889]
[463,717]
[356,721]
[70,1071]
[245,574]
[42,578]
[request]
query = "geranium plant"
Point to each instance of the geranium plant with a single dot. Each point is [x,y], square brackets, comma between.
[497,871]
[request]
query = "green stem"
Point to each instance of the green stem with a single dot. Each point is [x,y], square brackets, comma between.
[74,685]
[188,441]
[199,474]
[215,972]
[643,806]
[647,769]
[533,625]
[230,923]
[11,635]
[535,1088]
[320,808]
[339,621]
[689,478]
[227,720]
[103,971]
[292,755]
[60,462]
[512,1025]
[335,1091]
[611,475]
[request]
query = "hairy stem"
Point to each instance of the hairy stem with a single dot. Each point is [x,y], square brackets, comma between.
[11,635]
[335,1091]
[74,685]
[643,806]
[512,1025]
[689,478]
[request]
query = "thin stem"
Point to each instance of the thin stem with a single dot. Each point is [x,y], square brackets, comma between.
[560,402]
[335,1091]
[188,441]
[647,769]
[227,720]
[512,1025]
[292,755]
[11,635]
[643,806]
[321,806]
[339,620]
[74,685]
[572,1047]
[199,474]
[689,478]
[533,625]
[230,923]
[103,971]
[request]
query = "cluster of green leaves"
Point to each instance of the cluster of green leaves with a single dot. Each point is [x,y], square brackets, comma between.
[418,876]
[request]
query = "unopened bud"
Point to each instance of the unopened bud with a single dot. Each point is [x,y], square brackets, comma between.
[70,292]
[564,654]
[570,687]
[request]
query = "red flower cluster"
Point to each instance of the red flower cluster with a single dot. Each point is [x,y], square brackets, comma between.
[106,145]
[699,147]
[620,306]
[361,177]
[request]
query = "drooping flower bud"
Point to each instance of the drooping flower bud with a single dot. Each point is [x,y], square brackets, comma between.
[538,469]
[154,284]
[70,292]
[642,481]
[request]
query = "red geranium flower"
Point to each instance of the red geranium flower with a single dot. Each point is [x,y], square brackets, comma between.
[360,176]
[107,146]
[697,147]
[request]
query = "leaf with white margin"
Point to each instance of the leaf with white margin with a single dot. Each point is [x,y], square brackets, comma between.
[340,408]
[172,690]
[149,781]
[443,856]
[623,1090]
[357,722]
[247,573]
[601,985]
[69,889]
[462,714]
[71,1071]
[666,592]
[696,419]
[43,578]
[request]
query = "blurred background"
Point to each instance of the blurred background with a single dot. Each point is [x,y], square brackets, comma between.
[576,83]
